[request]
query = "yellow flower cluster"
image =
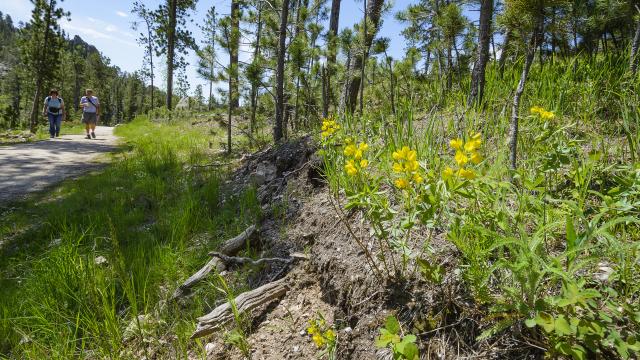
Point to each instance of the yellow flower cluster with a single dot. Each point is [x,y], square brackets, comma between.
[320,335]
[407,165]
[465,152]
[544,114]
[329,127]
[355,155]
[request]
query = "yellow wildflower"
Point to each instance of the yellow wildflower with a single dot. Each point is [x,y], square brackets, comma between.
[330,335]
[358,154]
[329,127]
[412,166]
[467,174]
[402,183]
[350,150]
[547,115]
[397,167]
[364,163]
[476,158]
[318,340]
[461,158]
[456,144]
[536,109]
[417,179]
[350,168]
[447,173]
[363,146]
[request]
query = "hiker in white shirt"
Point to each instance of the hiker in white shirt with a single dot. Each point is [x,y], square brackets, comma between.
[90,106]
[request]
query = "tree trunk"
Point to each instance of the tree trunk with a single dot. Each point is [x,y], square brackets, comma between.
[171,43]
[150,49]
[374,9]
[254,85]
[484,38]
[325,92]
[331,56]
[513,129]
[282,36]
[365,53]
[35,108]
[633,58]
[233,53]
[504,51]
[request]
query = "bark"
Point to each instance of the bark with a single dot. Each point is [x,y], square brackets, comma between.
[233,54]
[484,38]
[513,129]
[254,85]
[171,44]
[374,9]
[505,50]
[244,303]
[331,56]
[325,92]
[230,247]
[35,109]
[633,58]
[282,36]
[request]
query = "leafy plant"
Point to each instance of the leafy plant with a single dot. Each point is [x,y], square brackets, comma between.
[403,346]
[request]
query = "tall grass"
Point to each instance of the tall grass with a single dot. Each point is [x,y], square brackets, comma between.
[141,214]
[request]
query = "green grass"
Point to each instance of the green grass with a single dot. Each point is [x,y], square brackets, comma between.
[531,243]
[141,213]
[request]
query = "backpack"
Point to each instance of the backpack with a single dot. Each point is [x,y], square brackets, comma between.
[53,109]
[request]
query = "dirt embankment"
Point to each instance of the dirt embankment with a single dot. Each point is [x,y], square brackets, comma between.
[336,282]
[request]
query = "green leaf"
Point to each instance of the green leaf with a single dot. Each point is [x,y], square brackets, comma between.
[571,238]
[386,338]
[562,326]
[545,321]
[411,351]
[530,323]
[409,338]
[392,325]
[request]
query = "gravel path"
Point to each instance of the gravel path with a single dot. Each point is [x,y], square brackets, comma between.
[30,167]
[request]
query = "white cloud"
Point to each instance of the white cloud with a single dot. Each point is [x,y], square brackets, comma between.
[93,33]
[122,14]
[111,28]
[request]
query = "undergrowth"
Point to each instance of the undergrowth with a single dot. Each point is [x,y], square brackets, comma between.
[59,298]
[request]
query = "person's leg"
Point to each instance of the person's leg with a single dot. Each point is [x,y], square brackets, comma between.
[58,124]
[93,128]
[52,123]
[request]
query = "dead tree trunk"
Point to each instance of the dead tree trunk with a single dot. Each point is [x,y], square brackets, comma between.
[484,38]
[230,247]
[244,303]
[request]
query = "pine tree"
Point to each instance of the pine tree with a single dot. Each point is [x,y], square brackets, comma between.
[41,49]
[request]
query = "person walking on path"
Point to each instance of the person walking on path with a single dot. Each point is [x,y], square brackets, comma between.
[54,110]
[90,106]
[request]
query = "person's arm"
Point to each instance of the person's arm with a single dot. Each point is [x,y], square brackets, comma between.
[81,104]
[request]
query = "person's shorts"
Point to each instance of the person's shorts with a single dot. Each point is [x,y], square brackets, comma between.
[89,118]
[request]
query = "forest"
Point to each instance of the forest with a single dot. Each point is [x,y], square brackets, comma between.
[477,196]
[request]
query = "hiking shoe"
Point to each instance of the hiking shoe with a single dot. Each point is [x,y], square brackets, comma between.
[93,135]
[88,137]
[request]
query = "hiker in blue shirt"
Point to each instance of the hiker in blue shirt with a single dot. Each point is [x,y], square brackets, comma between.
[90,106]
[54,111]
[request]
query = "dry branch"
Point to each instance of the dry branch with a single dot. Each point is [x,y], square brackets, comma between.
[234,260]
[245,302]
[230,247]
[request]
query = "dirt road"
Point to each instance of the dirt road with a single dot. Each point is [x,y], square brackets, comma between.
[25,168]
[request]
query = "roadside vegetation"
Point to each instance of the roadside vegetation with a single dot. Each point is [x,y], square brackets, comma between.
[80,265]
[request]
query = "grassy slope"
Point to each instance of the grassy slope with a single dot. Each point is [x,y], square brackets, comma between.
[138,213]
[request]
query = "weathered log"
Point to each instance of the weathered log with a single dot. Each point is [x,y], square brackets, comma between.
[234,245]
[244,302]
[230,247]
[234,260]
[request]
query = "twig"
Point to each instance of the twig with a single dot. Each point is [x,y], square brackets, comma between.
[236,260]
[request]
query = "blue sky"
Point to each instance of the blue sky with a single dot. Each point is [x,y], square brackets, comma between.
[107,25]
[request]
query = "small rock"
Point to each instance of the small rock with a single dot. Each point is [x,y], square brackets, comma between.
[209,348]
[296,348]
[303,333]
[347,330]
[101,260]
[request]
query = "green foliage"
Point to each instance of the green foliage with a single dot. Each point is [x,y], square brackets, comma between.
[402,346]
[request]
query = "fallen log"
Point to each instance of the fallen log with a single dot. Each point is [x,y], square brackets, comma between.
[235,260]
[244,302]
[230,247]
